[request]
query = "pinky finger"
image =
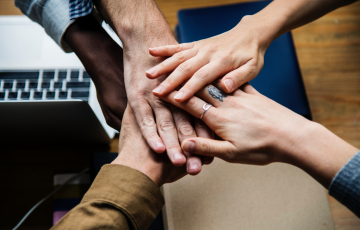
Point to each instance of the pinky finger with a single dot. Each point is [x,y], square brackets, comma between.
[205,132]
[207,147]
[169,50]
[238,77]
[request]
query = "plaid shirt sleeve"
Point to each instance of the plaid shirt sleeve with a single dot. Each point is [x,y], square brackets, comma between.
[55,16]
[80,8]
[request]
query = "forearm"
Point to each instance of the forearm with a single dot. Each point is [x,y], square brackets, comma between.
[119,198]
[100,55]
[319,152]
[281,16]
[137,22]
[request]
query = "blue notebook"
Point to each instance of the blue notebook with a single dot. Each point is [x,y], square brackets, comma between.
[280,79]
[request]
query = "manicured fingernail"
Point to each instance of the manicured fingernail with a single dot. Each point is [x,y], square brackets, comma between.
[194,165]
[151,71]
[179,95]
[178,156]
[229,84]
[158,89]
[159,145]
[189,146]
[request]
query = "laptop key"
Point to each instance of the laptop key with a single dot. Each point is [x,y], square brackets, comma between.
[86,75]
[62,94]
[45,85]
[50,95]
[48,74]
[38,95]
[57,85]
[78,85]
[19,75]
[2,96]
[25,95]
[12,95]
[62,74]
[8,85]
[79,94]
[74,75]
[33,84]
[20,85]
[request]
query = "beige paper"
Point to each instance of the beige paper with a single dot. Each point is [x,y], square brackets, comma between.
[234,196]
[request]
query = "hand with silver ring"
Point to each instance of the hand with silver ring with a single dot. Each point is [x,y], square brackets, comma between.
[256,130]
[206,106]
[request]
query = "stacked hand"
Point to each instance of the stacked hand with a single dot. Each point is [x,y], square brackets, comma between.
[162,126]
[237,55]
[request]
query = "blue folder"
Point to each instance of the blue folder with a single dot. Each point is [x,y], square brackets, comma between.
[280,79]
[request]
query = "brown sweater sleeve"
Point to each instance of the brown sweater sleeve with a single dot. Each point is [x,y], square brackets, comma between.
[119,198]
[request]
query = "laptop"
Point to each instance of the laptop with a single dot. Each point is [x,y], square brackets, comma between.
[46,96]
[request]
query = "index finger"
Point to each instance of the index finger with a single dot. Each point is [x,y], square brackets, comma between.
[170,50]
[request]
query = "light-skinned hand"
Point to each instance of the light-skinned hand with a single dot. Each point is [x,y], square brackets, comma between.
[238,54]
[256,130]
[135,153]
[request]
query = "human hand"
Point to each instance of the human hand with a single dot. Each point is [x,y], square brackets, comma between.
[257,130]
[172,125]
[254,129]
[238,54]
[139,28]
[135,153]
[103,60]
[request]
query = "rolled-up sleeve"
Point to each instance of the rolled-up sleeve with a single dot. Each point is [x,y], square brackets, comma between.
[119,198]
[52,15]
[345,186]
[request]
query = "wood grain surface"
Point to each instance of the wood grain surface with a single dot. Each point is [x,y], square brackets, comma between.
[328,50]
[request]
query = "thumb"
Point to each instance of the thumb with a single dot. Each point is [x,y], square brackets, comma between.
[208,147]
[233,80]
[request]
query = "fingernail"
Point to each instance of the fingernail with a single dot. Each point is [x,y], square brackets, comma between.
[229,85]
[151,71]
[153,49]
[159,145]
[178,156]
[158,89]
[189,146]
[179,95]
[194,165]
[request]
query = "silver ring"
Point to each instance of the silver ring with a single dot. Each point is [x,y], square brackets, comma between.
[206,107]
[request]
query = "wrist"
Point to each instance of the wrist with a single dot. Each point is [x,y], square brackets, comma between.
[147,168]
[262,28]
[320,153]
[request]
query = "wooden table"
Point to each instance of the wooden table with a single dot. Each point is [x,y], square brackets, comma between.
[329,54]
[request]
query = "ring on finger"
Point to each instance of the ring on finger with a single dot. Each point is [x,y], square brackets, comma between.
[206,107]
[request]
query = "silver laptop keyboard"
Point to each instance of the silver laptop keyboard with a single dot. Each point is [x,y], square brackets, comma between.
[59,84]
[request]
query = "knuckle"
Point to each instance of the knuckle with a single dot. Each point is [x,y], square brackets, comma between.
[173,146]
[152,135]
[147,121]
[202,74]
[180,56]
[166,125]
[185,67]
[178,48]
[192,102]
[186,130]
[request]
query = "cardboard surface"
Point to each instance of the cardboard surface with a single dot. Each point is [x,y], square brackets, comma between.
[234,196]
